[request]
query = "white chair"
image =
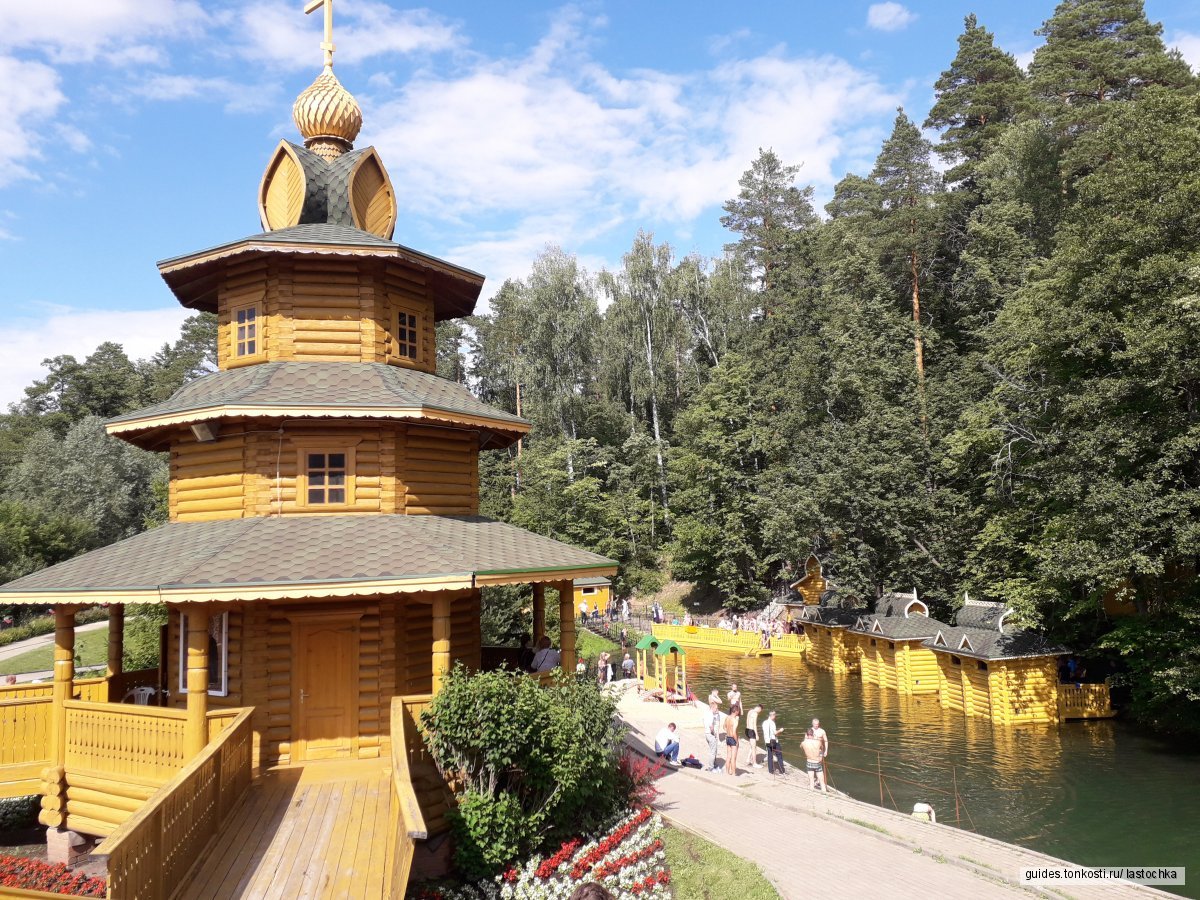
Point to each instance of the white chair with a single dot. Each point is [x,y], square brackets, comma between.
[140,695]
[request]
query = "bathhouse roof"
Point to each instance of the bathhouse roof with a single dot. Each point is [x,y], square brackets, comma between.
[988,644]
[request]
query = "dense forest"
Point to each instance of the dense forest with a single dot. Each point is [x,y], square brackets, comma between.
[978,371]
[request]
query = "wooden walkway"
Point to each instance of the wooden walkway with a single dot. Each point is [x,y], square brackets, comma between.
[318,831]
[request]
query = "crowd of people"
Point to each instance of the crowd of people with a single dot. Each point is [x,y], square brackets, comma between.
[721,722]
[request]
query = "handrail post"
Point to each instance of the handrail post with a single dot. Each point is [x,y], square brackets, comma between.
[441,640]
[116,651]
[566,625]
[539,611]
[196,733]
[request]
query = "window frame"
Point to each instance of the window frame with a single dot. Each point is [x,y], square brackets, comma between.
[260,350]
[418,328]
[346,446]
[222,690]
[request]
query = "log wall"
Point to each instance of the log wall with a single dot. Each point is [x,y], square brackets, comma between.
[326,309]
[253,470]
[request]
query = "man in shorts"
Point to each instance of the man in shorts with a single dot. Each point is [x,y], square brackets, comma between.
[820,735]
[752,733]
[713,726]
[814,760]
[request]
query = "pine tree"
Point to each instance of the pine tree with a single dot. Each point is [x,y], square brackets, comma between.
[1101,50]
[772,216]
[907,185]
[981,93]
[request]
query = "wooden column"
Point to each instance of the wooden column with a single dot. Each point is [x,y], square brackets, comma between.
[566,618]
[116,648]
[441,640]
[539,612]
[64,675]
[196,734]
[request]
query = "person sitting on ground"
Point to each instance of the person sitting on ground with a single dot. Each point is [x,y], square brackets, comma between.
[547,657]
[666,745]
[813,760]
[752,734]
[627,665]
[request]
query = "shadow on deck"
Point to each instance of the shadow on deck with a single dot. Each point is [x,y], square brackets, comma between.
[317,831]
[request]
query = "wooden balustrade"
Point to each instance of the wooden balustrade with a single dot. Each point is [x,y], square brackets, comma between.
[92,689]
[149,855]
[407,825]
[1084,701]
[124,739]
[219,720]
[24,745]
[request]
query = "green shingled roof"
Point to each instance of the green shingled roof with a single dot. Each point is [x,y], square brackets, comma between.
[245,555]
[275,388]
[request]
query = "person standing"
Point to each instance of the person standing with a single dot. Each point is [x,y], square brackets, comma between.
[583,611]
[731,740]
[770,737]
[820,735]
[734,697]
[814,761]
[752,734]
[627,666]
[712,733]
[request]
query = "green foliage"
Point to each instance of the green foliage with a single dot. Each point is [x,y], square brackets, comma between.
[31,538]
[978,97]
[536,764]
[18,813]
[143,626]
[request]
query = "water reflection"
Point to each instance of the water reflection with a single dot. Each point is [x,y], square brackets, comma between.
[1097,792]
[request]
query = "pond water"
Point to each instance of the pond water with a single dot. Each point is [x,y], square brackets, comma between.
[1095,793]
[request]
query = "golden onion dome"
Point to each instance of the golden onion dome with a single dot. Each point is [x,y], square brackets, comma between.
[328,116]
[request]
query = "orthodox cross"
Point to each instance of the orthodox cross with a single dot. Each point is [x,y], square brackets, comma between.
[327,44]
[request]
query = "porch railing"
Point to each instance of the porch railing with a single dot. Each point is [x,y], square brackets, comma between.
[149,855]
[1084,701]
[407,825]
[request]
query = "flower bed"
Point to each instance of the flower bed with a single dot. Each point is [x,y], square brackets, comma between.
[34,875]
[628,859]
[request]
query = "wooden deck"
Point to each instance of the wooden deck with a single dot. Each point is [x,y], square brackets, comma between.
[318,831]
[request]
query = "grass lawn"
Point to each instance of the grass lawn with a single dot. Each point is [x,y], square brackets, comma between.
[700,870]
[91,649]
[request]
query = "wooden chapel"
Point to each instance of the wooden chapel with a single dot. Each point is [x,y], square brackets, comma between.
[324,554]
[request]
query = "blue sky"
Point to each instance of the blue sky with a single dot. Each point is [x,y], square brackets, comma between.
[135,130]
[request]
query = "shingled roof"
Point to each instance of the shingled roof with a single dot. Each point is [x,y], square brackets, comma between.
[298,556]
[350,389]
[898,628]
[194,277]
[990,644]
[981,614]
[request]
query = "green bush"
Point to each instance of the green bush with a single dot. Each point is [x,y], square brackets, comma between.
[141,638]
[40,625]
[18,813]
[536,764]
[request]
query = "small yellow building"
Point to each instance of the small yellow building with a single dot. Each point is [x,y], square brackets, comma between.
[1004,674]
[595,592]
[813,584]
[891,648]
[826,626]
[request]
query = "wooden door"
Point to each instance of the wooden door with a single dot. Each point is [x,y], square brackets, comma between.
[325,690]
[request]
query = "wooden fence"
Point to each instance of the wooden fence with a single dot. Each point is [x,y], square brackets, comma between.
[1084,701]
[407,825]
[24,745]
[150,854]
[123,739]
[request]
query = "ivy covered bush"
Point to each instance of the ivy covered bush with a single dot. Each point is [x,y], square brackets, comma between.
[18,813]
[534,765]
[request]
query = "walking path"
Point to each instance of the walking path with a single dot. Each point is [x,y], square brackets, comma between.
[814,845]
[45,640]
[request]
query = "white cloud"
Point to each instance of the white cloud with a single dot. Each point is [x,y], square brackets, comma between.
[1189,45]
[272,31]
[25,343]
[236,97]
[81,30]
[889,16]
[32,99]
[571,150]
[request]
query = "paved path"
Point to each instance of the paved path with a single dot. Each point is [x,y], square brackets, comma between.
[43,640]
[814,845]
